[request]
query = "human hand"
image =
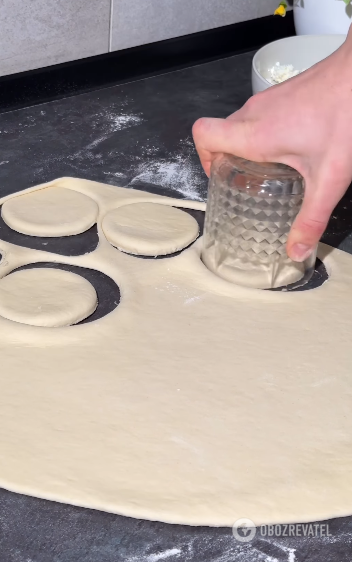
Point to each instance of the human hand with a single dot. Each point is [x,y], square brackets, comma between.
[305,123]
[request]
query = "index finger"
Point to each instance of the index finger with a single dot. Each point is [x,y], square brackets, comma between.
[214,136]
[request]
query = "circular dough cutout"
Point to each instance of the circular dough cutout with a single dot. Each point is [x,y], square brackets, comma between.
[149,229]
[50,212]
[46,297]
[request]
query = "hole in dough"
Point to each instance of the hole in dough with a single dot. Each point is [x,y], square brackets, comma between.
[150,229]
[50,212]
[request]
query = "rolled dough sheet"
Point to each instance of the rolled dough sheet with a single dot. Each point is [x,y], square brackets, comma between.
[46,297]
[195,401]
[51,212]
[149,229]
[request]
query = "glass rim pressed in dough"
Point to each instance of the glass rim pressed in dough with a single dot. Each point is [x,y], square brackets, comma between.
[251,207]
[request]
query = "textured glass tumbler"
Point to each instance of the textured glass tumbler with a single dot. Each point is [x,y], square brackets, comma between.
[250,210]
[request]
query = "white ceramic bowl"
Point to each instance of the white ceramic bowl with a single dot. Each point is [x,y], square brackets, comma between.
[302,51]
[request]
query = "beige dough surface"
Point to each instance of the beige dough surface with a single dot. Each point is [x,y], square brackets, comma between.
[195,401]
[46,297]
[50,212]
[149,229]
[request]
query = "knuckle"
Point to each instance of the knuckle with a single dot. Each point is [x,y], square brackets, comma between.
[252,103]
[255,140]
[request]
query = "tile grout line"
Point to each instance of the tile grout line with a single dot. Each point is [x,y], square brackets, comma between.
[111,24]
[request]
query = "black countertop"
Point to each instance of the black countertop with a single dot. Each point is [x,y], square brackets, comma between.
[137,135]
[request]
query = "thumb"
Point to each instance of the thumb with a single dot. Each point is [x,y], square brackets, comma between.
[311,222]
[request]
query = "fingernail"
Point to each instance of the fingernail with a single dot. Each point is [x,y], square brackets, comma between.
[300,252]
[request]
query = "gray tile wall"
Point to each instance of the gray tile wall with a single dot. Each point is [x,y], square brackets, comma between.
[36,33]
[136,22]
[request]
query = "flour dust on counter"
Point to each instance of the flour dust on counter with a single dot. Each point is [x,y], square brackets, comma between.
[132,139]
[147,164]
[176,173]
[120,122]
[104,125]
[221,548]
